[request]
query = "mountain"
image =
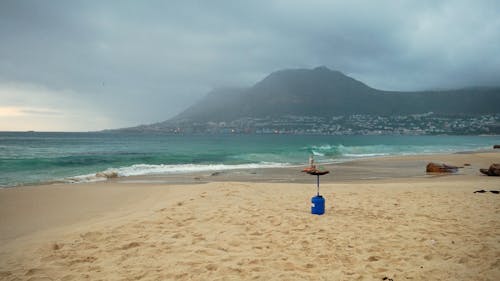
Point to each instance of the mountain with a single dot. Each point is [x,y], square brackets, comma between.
[324,92]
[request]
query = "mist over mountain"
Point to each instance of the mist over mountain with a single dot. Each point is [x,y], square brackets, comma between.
[324,92]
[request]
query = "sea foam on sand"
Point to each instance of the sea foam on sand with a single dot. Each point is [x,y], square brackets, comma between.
[162,169]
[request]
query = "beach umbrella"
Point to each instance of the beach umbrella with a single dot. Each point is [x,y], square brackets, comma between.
[317,202]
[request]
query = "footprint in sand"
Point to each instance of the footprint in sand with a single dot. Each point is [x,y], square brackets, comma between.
[211,267]
[130,245]
[254,261]
[42,278]
[289,266]
[88,259]
[68,278]
[197,239]
[381,269]
[34,271]
[189,219]
[5,274]
[92,236]
[309,265]
[56,246]
[234,243]
[178,235]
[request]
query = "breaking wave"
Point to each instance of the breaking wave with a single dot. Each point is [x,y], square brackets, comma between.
[39,158]
[148,169]
[339,152]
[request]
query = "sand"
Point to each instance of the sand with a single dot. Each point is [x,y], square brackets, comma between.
[408,226]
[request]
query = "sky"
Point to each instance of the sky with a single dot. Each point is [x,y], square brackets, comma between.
[92,65]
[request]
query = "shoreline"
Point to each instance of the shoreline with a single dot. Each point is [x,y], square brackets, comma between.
[181,177]
[243,226]
[361,169]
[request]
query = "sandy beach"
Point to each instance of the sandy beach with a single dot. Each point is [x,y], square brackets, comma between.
[385,218]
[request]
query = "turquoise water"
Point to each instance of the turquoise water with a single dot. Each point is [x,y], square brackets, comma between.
[32,158]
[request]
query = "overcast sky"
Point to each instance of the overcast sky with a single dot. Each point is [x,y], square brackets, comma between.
[90,65]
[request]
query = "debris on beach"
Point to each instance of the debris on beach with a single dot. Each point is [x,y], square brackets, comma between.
[440,168]
[484,191]
[494,170]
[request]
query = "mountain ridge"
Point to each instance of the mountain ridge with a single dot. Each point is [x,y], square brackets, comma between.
[324,92]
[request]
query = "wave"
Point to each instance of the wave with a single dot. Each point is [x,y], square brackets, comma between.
[340,151]
[148,169]
[316,153]
[59,158]
[362,155]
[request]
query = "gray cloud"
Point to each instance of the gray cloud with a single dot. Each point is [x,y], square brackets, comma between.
[141,62]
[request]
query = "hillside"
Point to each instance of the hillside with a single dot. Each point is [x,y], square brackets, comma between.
[323,92]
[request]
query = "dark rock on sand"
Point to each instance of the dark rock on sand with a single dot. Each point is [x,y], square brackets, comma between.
[496,146]
[440,168]
[494,170]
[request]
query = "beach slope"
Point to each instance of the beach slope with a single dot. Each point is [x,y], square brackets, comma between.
[423,228]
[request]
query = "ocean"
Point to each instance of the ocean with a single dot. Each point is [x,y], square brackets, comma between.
[35,158]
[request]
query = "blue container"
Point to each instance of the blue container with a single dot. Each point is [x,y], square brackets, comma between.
[318,205]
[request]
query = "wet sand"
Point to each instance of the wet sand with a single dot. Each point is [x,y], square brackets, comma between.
[384,217]
[380,168]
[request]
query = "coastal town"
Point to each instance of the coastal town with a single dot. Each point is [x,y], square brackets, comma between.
[359,124]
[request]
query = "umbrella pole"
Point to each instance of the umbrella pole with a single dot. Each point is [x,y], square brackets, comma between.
[318,183]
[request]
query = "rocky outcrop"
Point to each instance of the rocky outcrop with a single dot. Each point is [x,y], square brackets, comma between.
[496,146]
[440,168]
[494,170]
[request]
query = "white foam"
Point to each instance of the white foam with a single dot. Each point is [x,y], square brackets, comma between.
[326,146]
[315,153]
[148,169]
[84,178]
[365,154]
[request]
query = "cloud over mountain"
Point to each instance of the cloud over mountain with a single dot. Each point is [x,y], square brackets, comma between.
[140,62]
